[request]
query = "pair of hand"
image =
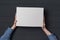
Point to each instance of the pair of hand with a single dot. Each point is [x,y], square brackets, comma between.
[43,28]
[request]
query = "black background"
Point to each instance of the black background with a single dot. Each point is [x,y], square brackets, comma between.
[52,14]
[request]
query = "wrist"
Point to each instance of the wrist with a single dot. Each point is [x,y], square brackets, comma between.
[13,27]
[46,31]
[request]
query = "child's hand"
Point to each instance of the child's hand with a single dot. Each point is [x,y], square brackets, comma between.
[14,24]
[44,27]
[47,32]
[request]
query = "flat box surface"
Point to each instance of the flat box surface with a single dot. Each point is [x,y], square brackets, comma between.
[29,16]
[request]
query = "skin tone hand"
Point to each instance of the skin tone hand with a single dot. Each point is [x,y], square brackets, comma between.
[14,24]
[43,28]
[46,30]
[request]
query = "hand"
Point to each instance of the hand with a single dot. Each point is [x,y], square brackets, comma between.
[44,25]
[47,32]
[14,24]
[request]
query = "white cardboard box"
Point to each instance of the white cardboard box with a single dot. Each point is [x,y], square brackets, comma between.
[29,16]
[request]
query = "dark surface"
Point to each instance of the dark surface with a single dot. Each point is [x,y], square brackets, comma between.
[52,13]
